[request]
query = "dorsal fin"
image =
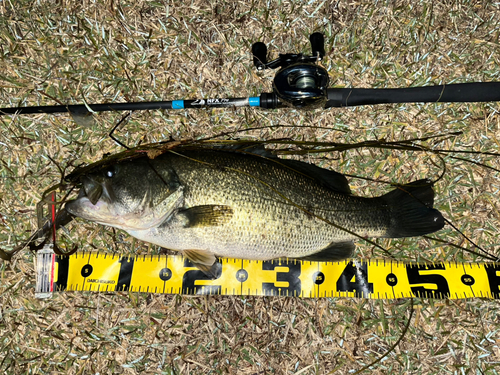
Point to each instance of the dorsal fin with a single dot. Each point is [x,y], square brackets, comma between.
[327,178]
[249,148]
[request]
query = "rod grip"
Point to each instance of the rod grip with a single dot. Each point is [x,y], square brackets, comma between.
[453,93]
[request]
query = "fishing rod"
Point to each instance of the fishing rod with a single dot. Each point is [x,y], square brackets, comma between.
[300,83]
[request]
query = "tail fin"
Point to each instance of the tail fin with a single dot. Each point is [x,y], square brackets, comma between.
[411,210]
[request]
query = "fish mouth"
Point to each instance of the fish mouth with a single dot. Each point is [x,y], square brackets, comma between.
[92,189]
[104,211]
[89,202]
[82,206]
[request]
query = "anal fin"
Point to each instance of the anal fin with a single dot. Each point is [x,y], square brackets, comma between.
[335,251]
[205,261]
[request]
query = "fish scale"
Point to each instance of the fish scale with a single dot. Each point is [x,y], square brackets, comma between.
[258,209]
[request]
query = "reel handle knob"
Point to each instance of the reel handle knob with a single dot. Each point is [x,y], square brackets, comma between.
[317,45]
[259,51]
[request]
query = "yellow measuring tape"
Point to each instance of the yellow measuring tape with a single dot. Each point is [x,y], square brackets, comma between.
[376,279]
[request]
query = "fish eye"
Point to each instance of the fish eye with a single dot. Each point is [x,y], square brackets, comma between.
[110,172]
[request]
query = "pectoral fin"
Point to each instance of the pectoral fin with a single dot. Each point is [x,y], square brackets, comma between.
[208,215]
[205,261]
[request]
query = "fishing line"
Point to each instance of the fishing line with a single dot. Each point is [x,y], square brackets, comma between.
[376,279]
[132,153]
[301,83]
[405,329]
[444,242]
[487,256]
[115,127]
[166,148]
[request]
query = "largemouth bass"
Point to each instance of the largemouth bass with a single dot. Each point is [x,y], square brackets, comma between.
[246,203]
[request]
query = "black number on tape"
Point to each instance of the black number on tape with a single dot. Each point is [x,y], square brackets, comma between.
[190,277]
[439,289]
[355,279]
[62,273]
[493,272]
[125,275]
[294,287]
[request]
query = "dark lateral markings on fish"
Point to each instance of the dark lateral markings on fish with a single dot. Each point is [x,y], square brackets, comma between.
[283,277]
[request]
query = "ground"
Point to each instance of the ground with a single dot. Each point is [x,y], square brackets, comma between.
[70,52]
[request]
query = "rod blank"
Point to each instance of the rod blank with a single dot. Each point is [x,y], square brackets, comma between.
[341,97]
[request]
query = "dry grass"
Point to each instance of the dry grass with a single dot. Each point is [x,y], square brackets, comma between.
[98,51]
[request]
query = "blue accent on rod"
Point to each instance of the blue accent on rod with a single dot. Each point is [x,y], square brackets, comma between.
[177,104]
[254,101]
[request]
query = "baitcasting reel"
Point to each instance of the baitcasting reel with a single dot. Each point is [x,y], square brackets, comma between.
[300,83]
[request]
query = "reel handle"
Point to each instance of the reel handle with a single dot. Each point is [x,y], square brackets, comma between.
[259,51]
[317,45]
